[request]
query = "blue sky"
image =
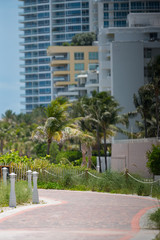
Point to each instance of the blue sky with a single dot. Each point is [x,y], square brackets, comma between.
[9,56]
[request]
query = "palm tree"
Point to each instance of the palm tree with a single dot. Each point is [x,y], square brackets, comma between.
[57,120]
[143,103]
[9,116]
[104,110]
[86,139]
[154,67]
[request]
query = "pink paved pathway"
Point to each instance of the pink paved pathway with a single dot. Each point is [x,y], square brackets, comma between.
[78,216]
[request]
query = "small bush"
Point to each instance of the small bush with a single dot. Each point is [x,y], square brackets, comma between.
[155,217]
[154,160]
[70,155]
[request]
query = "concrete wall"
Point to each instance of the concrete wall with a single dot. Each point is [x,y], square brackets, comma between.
[131,154]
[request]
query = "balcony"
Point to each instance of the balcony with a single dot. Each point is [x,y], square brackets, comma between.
[72,87]
[92,83]
[66,93]
[61,68]
[60,57]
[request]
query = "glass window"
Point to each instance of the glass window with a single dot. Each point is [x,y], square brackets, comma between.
[44,76]
[73,5]
[93,55]
[43,15]
[44,83]
[105,6]
[116,6]
[73,28]
[106,24]
[73,13]
[85,28]
[119,23]
[79,56]
[43,1]
[44,68]
[45,91]
[106,15]
[85,4]
[45,99]
[93,67]
[79,66]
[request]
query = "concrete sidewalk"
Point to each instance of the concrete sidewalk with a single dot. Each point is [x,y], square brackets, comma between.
[69,215]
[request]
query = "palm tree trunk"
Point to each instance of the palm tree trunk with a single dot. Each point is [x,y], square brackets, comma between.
[89,156]
[48,146]
[83,149]
[105,148]
[145,127]
[98,144]
[157,110]
[1,146]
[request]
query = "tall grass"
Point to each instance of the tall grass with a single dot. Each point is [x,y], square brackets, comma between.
[112,182]
[23,193]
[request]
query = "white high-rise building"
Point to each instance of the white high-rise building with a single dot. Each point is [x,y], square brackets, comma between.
[46,23]
[124,54]
[53,22]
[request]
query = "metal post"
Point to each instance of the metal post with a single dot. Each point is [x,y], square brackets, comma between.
[5,170]
[12,199]
[35,197]
[29,175]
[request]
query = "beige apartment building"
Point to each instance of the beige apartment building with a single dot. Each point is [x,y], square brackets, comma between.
[69,61]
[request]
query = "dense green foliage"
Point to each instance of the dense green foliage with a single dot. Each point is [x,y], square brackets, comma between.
[156,217]
[154,160]
[82,39]
[147,102]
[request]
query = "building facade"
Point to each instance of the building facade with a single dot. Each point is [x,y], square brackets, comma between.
[67,63]
[53,22]
[46,23]
[124,55]
[108,13]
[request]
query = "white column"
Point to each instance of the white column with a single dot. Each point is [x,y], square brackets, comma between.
[12,199]
[29,176]
[35,197]
[5,170]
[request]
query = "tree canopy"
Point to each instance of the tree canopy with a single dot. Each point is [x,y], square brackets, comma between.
[83,39]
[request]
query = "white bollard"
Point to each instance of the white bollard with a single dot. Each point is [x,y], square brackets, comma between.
[29,175]
[35,197]
[12,199]
[5,170]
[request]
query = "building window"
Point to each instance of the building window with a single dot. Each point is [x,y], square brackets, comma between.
[93,55]
[147,53]
[45,91]
[45,99]
[105,6]
[106,24]
[79,56]
[119,23]
[120,15]
[93,67]
[106,15]
[153,36]
[79,66]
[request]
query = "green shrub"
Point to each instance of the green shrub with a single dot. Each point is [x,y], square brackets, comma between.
[79,161]
[70,155]
[154,160]
[156,218]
